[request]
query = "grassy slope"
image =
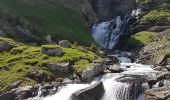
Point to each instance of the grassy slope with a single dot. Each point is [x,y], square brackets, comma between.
[61,22]
[14,67]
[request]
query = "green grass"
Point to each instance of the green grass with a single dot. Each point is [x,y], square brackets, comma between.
[54,19]
[156,16]
[14,67]
[139,40]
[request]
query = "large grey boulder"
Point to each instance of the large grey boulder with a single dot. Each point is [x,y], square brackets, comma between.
[94,92]
[167,67]
[51,50]
[162,93]
[65,43]
[94,69]
[5,46]
[63,68]
[115,68]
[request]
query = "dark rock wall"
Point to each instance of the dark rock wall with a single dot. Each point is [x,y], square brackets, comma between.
[109,9]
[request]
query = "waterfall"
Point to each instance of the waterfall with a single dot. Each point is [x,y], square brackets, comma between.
[107,33]
[118,86]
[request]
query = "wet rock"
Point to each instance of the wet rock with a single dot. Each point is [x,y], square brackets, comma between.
[90,72]
[65,43]
[160,68]
[54,51]
[167,67]
[29,92]
[163,75]
[161,60]
[115,68]
[94,92]
[5,46]
[63,68]
[111,60]
[67,81]
[20,93]
[168,61]
[101,53]
[162,93]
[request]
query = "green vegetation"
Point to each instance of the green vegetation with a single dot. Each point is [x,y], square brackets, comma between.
[30,61]
[139,40]
[157,16]
[159,12]
[43,17]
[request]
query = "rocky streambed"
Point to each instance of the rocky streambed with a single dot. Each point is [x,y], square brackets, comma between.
[107,80]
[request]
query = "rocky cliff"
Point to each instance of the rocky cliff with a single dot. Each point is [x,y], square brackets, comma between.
[109,9]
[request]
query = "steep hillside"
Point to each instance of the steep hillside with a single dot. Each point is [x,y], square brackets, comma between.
[151,38]
[61,19]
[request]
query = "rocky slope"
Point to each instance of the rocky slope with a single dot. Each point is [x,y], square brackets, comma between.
[34,19]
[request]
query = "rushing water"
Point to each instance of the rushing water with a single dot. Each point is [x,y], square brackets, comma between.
[107,33]
[114,90]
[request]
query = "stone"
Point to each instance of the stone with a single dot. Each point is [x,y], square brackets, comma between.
[48,38]
[163,75]
[167,67]
[162,93]
[5,46]
[63,68]
[94,92]
[161,60]
[67,81]
[20,93]
[115,68]
[93,70]
[168,61]
[101,53]
[65,43]
[56,51]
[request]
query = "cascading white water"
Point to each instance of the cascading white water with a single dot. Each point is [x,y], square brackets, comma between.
[114,90]
[107,33]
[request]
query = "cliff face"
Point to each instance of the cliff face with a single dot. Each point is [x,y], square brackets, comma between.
[108,9]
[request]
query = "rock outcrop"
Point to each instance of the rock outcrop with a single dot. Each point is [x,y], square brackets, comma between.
[65,43]
[94,92]
[52,51]
[162,93]
[63,68]
[94,69]
[29,92]
[5,46]
[109,9]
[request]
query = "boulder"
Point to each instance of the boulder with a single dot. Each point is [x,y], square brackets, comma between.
[29,92]
[168,61]
[115,68]
[53,51]
[65,43]
[94,92]
[163,75]
[48,39]
[162,93]
[20,93]
[67,81]
[162,60]
[63,68]
[5,46]
[167,67]
[93,70]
